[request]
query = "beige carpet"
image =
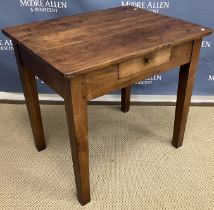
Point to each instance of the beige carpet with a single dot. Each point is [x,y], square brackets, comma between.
[132,162]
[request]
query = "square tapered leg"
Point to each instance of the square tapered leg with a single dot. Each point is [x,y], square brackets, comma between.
[76,112]
[125,98]
[31,97]
[185,86]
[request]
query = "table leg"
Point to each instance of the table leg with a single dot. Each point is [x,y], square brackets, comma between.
[125,98]
[31,97]
[76,112]
[185,86]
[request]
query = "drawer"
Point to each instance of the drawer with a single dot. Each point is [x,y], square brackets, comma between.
[136,65]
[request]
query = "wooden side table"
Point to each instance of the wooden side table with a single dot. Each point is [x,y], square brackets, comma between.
[85,56]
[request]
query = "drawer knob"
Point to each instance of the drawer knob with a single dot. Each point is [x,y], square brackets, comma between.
[147,60]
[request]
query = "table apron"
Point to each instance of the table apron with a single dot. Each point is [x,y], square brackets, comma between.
[105,80]
[44,71]
[108,79]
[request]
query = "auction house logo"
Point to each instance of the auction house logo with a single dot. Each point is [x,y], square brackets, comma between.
[211,77]
[206,44]
[44,5]
[153,6]
[6,44]
[150,80]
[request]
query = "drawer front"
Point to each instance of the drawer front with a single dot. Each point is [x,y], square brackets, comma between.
[136,65]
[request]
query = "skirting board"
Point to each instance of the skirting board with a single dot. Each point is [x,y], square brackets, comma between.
[8,96]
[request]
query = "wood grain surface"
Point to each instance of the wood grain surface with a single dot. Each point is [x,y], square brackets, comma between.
[82,43]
